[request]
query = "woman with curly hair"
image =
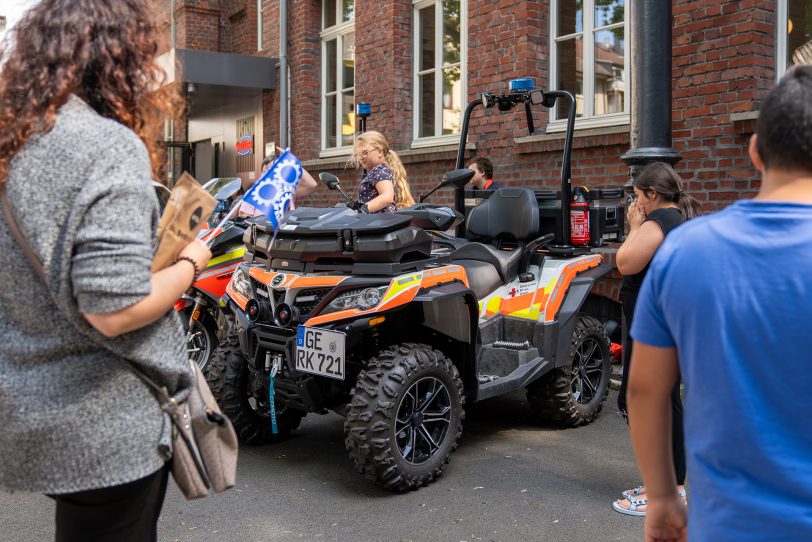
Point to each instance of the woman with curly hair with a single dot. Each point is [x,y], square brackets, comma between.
[384,188]
[79,122]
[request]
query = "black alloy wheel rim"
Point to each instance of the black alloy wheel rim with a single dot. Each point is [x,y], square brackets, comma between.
[423,420]
[587,370]
[198,345]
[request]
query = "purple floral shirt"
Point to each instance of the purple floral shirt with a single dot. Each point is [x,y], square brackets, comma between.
[367,191]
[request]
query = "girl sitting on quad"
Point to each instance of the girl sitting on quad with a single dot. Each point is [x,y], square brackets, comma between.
[384,188]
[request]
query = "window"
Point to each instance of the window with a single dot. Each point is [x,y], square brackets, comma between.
[794,20]
[439,70]
[589,58]
[338,77]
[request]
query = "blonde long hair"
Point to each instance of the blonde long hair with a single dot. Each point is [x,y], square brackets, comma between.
[403,194]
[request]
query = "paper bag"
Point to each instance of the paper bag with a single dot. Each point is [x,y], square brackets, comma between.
[185,213]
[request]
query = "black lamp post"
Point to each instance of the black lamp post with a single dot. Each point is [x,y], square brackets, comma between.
[651,23]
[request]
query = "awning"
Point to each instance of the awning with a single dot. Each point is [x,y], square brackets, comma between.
[213,79]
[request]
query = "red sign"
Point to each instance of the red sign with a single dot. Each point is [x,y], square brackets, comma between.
[245,145]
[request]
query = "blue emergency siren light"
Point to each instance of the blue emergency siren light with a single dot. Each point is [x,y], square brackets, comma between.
[364,109]
[524,84]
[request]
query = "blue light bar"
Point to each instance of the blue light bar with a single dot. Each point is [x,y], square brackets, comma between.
[521,85]
[364,109]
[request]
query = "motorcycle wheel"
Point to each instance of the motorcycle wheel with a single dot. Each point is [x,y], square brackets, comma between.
[201,340]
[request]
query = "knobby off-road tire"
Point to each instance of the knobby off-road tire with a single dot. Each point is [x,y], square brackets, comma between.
[573,395]
[228,379]
[409,394]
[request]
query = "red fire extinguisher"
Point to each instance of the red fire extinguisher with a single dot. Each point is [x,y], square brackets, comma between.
[579,217]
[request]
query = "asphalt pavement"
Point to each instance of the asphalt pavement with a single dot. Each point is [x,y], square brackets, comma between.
[509,481]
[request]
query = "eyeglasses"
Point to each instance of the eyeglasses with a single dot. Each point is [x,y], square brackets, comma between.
[366,153]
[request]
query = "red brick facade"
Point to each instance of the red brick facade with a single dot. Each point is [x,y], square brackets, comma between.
[723,65]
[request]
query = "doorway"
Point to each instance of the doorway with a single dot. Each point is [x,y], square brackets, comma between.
[204,161]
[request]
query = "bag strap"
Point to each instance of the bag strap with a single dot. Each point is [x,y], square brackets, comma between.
[160,392]
[18,235]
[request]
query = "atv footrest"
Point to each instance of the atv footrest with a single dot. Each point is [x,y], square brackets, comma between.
[501,361]
[523,375]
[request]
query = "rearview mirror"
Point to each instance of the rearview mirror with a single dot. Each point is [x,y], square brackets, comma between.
[458,177]
[329,180]
[228,190]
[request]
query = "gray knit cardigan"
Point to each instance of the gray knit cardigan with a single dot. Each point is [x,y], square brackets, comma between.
[74,416]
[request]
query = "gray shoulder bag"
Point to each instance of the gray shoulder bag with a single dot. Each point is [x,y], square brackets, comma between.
[204,444]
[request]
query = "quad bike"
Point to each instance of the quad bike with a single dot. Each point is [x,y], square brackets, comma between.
[364,315]
[206,323]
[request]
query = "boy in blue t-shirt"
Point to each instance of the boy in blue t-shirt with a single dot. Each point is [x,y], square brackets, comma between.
[728,303]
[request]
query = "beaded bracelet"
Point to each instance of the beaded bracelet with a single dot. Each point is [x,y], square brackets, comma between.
[191,261]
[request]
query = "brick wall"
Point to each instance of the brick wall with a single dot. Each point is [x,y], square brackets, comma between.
[240,18]
[304,59]
[270,48]
[723,64]
[383,74]
[198,24]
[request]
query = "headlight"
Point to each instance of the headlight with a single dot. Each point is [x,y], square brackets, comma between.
[362,299]
[241,283]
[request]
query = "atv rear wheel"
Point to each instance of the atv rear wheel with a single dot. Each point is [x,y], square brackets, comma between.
[232,385]
[574,394]
[405,417]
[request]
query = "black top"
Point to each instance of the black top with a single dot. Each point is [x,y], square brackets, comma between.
[668,219]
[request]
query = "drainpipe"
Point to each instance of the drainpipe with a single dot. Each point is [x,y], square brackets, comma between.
[651,87]
[283,74]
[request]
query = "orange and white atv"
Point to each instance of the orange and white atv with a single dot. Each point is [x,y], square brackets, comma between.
[361,314]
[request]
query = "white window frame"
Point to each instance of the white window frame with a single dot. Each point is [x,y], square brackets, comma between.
[337,32]
[417,5]
[589,119]
[259,25]
[781,38]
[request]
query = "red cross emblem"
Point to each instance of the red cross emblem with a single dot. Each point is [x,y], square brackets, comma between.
[512,293]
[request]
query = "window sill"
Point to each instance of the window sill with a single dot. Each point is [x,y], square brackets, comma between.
[440,141]
[744,123]
[433,153]
[585,138]
[328,162]
[602,121]
[336,152]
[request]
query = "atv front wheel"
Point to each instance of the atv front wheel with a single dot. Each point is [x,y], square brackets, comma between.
[574,394]
[405,417]
[245,403]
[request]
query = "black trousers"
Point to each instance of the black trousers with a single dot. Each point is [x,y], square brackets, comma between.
[125,513]
[677,433]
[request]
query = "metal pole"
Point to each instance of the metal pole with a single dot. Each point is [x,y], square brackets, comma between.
[459,193]
[651,24]
[283,74]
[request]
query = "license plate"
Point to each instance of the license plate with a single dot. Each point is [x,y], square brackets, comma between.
[320,352]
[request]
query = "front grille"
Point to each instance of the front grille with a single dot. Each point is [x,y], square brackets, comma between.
[262,292]
[308,299]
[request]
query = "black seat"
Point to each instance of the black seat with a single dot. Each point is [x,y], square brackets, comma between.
[483,278]
[506,262]
[510,214]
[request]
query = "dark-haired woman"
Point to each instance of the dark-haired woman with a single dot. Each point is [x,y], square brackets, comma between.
[79,125]
[659,206]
